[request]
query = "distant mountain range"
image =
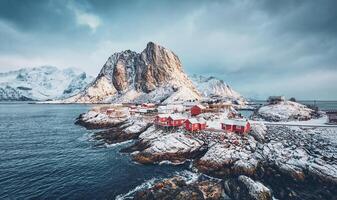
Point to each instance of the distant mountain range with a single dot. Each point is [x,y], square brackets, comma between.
[154,75]
[211,86]
[42,83]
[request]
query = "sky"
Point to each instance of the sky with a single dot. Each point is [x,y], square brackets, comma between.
[259,47]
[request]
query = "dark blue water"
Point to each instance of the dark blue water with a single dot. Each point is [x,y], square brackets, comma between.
[43,155]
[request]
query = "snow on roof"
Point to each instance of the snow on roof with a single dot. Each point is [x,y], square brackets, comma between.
[235,122]
[187,103]
[227,103]
[163,115]
[201,106]
[148,104]
[177,117]
[170,107]
[196,121]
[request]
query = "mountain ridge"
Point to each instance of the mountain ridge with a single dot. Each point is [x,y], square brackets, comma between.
[153,75]
[41,83]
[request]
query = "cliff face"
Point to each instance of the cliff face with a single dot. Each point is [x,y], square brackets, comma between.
[154,75]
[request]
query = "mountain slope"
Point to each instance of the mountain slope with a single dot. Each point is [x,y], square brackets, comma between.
[154,75]
[210,86]
[41,83]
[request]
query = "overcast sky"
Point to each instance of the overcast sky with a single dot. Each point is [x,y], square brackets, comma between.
[260,48]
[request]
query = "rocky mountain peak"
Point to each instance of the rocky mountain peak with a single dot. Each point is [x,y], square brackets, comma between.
[128,75]
[160,56]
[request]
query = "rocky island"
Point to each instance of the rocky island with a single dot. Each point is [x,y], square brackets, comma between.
[259,161]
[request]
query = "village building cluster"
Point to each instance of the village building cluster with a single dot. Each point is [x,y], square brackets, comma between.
[188,115]
[191,122]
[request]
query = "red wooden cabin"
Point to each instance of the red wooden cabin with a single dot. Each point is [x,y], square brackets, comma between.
[195,125]
[197,109]
[110,111]
[161,119]
[148,105]
[237,126]
[175,120]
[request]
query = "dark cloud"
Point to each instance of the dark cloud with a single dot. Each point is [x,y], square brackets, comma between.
[254,45]
[37,15]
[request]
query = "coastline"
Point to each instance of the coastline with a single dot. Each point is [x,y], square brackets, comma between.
[145,150]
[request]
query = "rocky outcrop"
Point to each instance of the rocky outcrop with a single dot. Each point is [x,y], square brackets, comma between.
[178,188]
[98,120]
[244,187]
[259,131]
[294,162]
[227,160]
[137,77]
[285,111]
[156,146]
[125,132]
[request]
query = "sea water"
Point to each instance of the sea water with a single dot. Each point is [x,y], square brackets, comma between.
[43,155]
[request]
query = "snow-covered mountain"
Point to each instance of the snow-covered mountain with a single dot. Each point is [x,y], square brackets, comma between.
[154,75]
[211,86]
[42,83]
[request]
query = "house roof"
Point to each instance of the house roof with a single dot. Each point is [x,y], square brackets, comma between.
[201,106]
[177,117]
[163,115]
[186,103]
[197,121]
[235,122]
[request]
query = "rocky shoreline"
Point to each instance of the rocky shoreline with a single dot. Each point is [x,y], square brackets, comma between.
[274,161]
[178,188]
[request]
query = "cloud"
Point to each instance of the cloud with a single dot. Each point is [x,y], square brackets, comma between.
[252,45]
[85,18]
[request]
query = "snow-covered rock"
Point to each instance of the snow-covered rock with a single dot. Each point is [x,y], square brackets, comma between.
[98,120]
[42,83]
[211,86]
[128,130]
[225,159]
[159,146]
[285,111]
[154,75]
[258,131]
[288,159]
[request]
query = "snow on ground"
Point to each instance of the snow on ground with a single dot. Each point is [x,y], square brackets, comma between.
[94,117]
[285,111]
[173,143]
[319,122]
[136,127]
[222,154]
[300,149]
[150,134]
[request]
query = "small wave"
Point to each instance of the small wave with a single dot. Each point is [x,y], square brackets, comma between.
[188,176]
[118,144]
[86,137]
[145,185]
[167,162]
